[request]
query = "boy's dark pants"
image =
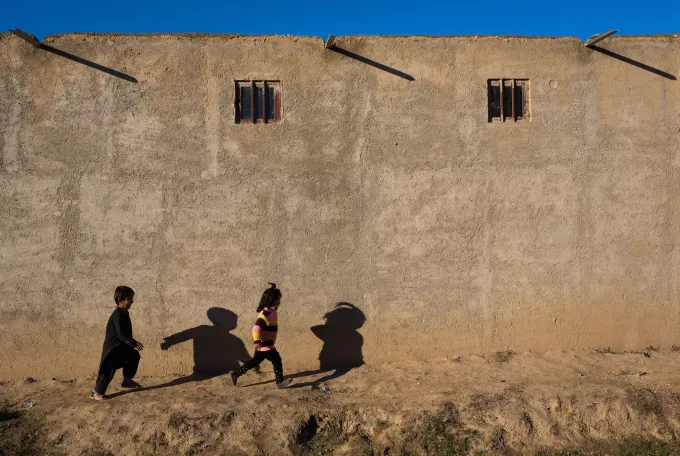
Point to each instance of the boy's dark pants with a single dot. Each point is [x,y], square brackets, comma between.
[271,355]
[122,356]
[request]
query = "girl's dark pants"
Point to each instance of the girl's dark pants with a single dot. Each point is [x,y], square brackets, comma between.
[271,355]
[122,356]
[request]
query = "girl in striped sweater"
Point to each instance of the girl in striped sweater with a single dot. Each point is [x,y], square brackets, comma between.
[264,336]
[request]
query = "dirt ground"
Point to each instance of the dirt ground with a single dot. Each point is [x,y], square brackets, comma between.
[566,403]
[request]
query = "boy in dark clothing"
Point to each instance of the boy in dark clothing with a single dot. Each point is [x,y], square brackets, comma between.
[120,350]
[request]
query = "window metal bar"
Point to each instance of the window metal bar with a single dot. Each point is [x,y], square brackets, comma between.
[252,101]
[237,103]
[514,111]
[264,101]
[501,102]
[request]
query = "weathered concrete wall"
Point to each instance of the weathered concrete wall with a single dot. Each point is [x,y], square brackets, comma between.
[452,234]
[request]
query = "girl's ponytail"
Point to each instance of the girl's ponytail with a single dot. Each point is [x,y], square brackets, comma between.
[269,297]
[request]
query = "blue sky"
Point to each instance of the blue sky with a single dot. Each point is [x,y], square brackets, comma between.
[345,17]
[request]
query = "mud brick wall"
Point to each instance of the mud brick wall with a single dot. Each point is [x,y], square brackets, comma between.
[384,185]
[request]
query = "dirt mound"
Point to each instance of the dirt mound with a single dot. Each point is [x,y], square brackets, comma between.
[553,404]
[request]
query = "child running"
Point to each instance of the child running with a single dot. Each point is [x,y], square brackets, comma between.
[264,336]
[120,349]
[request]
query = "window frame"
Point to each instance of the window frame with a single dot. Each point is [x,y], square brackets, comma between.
[514,83]
[253,84]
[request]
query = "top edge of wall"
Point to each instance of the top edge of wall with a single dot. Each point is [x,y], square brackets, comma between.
[87,36]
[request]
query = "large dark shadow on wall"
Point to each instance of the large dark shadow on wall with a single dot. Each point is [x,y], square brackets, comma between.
[372,63]
[342,342]
[342,345]
[633,62]
[216,350]
[86,62]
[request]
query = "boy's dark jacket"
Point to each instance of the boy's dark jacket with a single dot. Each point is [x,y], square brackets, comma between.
[118,332]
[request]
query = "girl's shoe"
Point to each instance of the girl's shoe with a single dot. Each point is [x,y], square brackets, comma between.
[282,384]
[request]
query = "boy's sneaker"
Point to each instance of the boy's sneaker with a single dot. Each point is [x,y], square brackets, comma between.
[284,383]
[129,383]
[234,377]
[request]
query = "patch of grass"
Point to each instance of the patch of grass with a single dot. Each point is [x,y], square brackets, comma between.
[326,441]
[629,448]
[644,402]
[648,448]
[440,434]
[360,445]
[450,413]
[28,445]
[176,420]
[98,452]
[434,437]
[484,401]
[20,435]
[498,441]
[314,438]
[381,425]
[560,453]
[503,356]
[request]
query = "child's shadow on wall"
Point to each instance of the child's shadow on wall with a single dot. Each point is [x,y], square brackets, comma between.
[216,350]
[342,344]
